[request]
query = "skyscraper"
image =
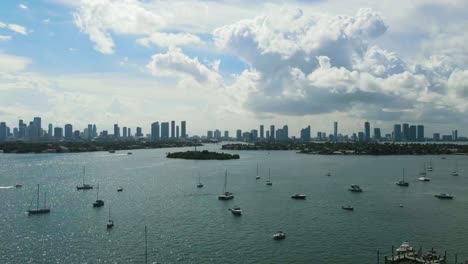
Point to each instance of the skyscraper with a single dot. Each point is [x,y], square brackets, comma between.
[254,135]
[377,134]
[173,129]
[262,136]
[335,131]
[3,131]
[421,133]
[164,130]
[124,132]
[397,132]
[177,131]
[68,131]
[38,123]
[209,134]
[238,135]
[21,129]
[116,131]
[272,132]
[183,129]
[58,132]
[138,132]
[412,133]
[367,131]
[50,130]
[89,135]
[406,135]
[154,131]
[226,134]
[267,134]
[285,133]
[94,131]
[305,134]
[455,135]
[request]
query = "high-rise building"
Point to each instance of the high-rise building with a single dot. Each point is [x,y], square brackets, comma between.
[165,130]
[129,132]
[436,137]
[124,132]
[367,131]
[377,134]
[238,135]
[335,131]
[262,135]
[217,134]
[254,135]
[209,134]
[285,136]
[305,134]
[183,129]
[94,134]
[3,131]
[177,131]
[397,132]
[173,129]
[154,131]
[116,131]
[406,135]
[420,133]
[272,132]
[138,132]
[89,134]
[226,134]
[361,136]
[412,133]
[76,134]
[58,132]
[68,131]
[50,130]
[21,129]
[455,135]
[38,123]
[267,134]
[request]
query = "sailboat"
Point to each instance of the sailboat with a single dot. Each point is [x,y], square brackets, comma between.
[403,182]
[44,210]
[200,184]
[98,202]
[84,186]
[258,176]
[455,171]
[328,173]
[225,195]
[110,222]
[429,167]
[423,174]
[269,183]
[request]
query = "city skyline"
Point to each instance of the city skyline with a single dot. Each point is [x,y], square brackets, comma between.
[74,61]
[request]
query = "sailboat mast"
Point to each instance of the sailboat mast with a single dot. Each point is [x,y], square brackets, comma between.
[269,174]
[403,174]
[84,173]
[146,246]
[257,169]
[37,202]
[225,181]
[97,193]
[45,199]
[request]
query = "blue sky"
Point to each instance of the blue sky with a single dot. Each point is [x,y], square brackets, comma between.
[236,64]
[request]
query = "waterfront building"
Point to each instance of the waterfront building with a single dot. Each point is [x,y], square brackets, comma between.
[183,127]
[272,132]
[262,136]
[367,131]
[154,131]
[420,133]
[335,130]
[116,131]
[58,132]
[238,134]
[173,129]
[397,132]
[68,131]
[164,130]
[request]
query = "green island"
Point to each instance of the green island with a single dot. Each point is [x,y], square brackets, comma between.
[66,147]
[202,155]
[352,148]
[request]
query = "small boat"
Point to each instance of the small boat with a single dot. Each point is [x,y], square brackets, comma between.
[199,184]
[355,188]
[258,176]
[129,153]
[403,183]
[443,158]
[236,210]
[110,222]
[299,196]
[18,186]
[347,207]
[424,179]
[444,196]
[328,173]
[279,235]
[111,151]
[429,167]
[120,189]
[405,248]
[225,195]
[98,202]
[455,171]
[400,205]
[84,186]
[269,183]
[38,210]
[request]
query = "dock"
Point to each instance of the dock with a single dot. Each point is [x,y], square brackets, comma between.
[412,257]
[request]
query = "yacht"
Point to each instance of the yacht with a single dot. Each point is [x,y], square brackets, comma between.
[38,210]
[120,189]
[455,171]
[110,222]
[225,195]
[200,184]
[279,235]
[236,210]
[98,202]
[424,178]
[84,186]
[355,188]
[404,248]
[347,207]
[444,196]
[18,185]
[269,183]
[299,196]
[403,183]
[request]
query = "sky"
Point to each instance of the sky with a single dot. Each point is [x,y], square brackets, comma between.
[236,64]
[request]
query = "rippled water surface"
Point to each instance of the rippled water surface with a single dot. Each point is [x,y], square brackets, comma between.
[190,225]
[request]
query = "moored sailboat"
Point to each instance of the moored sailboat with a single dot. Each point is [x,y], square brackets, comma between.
[38,210]
[84,186]
[269,183]
[225,195]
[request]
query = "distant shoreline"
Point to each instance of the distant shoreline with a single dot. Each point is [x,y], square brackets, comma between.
[352,148]
[77,147]
[202,155]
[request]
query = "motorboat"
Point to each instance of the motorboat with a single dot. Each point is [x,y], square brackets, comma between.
[424,178]
[18,186]
[129,153]
[299,196]
[347,207]
[405,248]
[355,188]
[236,210]
[120,189]
[444,196]
[279,235]
[110,224]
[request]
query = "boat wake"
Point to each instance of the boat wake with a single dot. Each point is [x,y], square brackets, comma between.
[7,187]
